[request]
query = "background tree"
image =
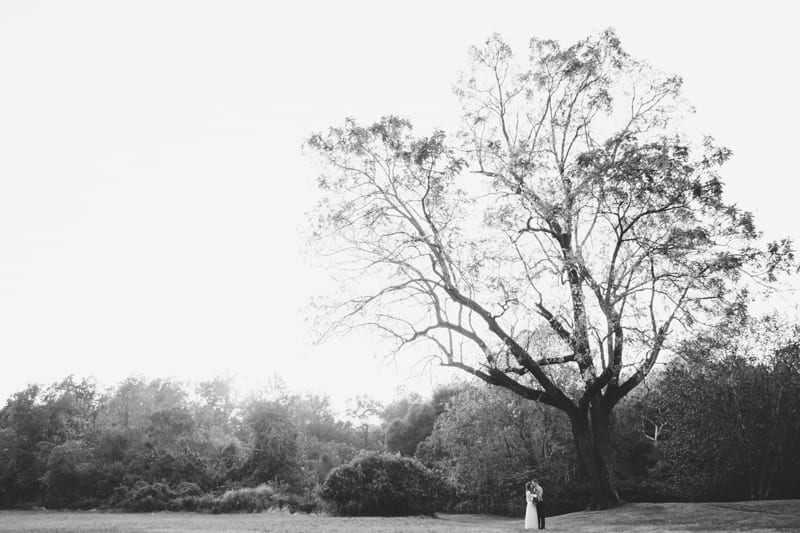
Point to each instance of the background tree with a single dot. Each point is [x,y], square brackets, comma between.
[25,424]
[217,404]
[71,474]
[413,421]
[273,445]
[732,406]
[364,410]
[489,442]
[404,434]
[573,202]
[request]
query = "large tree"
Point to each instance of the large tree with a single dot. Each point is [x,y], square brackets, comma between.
[570,222]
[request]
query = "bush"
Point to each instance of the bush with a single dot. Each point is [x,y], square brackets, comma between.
[382,485]
[188,504]
[146,497]
[186,497]
[246,500]
[187,488]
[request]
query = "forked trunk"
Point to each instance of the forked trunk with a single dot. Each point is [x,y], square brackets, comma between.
[591,431]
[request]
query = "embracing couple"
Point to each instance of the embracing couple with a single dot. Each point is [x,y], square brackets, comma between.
[534,512]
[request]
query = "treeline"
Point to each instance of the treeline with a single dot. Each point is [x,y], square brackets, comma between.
[71,445]
[720,422]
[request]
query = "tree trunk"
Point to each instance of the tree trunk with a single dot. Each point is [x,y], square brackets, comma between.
[592,432]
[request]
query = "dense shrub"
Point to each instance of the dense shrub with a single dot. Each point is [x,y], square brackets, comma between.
[146,497]
[240,500]
[246,500]
[382,485]
[205,503]
[186,497]
[187,488]
[189,497]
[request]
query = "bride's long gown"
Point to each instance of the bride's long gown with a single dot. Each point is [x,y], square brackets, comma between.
[531,518]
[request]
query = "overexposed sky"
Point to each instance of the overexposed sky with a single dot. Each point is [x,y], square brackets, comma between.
[153,189]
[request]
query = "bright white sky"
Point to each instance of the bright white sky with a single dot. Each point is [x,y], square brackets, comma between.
[152,187]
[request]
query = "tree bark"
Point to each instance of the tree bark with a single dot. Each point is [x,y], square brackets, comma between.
[591,430]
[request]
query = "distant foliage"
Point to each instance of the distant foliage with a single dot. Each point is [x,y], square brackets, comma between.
[404,434]
[275,453]
[410,420]
[734,428]
[382,485]
[71,474]
[148,445]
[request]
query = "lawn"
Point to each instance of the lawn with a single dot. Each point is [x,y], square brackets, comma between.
[645,517]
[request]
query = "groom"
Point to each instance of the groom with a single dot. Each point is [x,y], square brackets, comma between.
[537,490]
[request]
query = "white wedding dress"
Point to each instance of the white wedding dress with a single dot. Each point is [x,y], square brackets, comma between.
[531,518]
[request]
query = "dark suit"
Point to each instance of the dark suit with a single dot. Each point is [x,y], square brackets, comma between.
[539,505]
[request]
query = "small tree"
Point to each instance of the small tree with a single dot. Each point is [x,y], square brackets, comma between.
[571,201]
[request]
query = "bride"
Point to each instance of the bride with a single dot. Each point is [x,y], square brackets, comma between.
[531,518]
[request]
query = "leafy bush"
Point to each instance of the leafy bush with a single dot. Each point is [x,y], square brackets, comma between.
[187,488]
[187,497]
[147,497]
[246,500]
[382,485]
[207,503]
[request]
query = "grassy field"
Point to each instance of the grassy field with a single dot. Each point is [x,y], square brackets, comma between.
[645,517]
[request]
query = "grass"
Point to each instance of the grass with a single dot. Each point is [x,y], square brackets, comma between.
[776,515]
